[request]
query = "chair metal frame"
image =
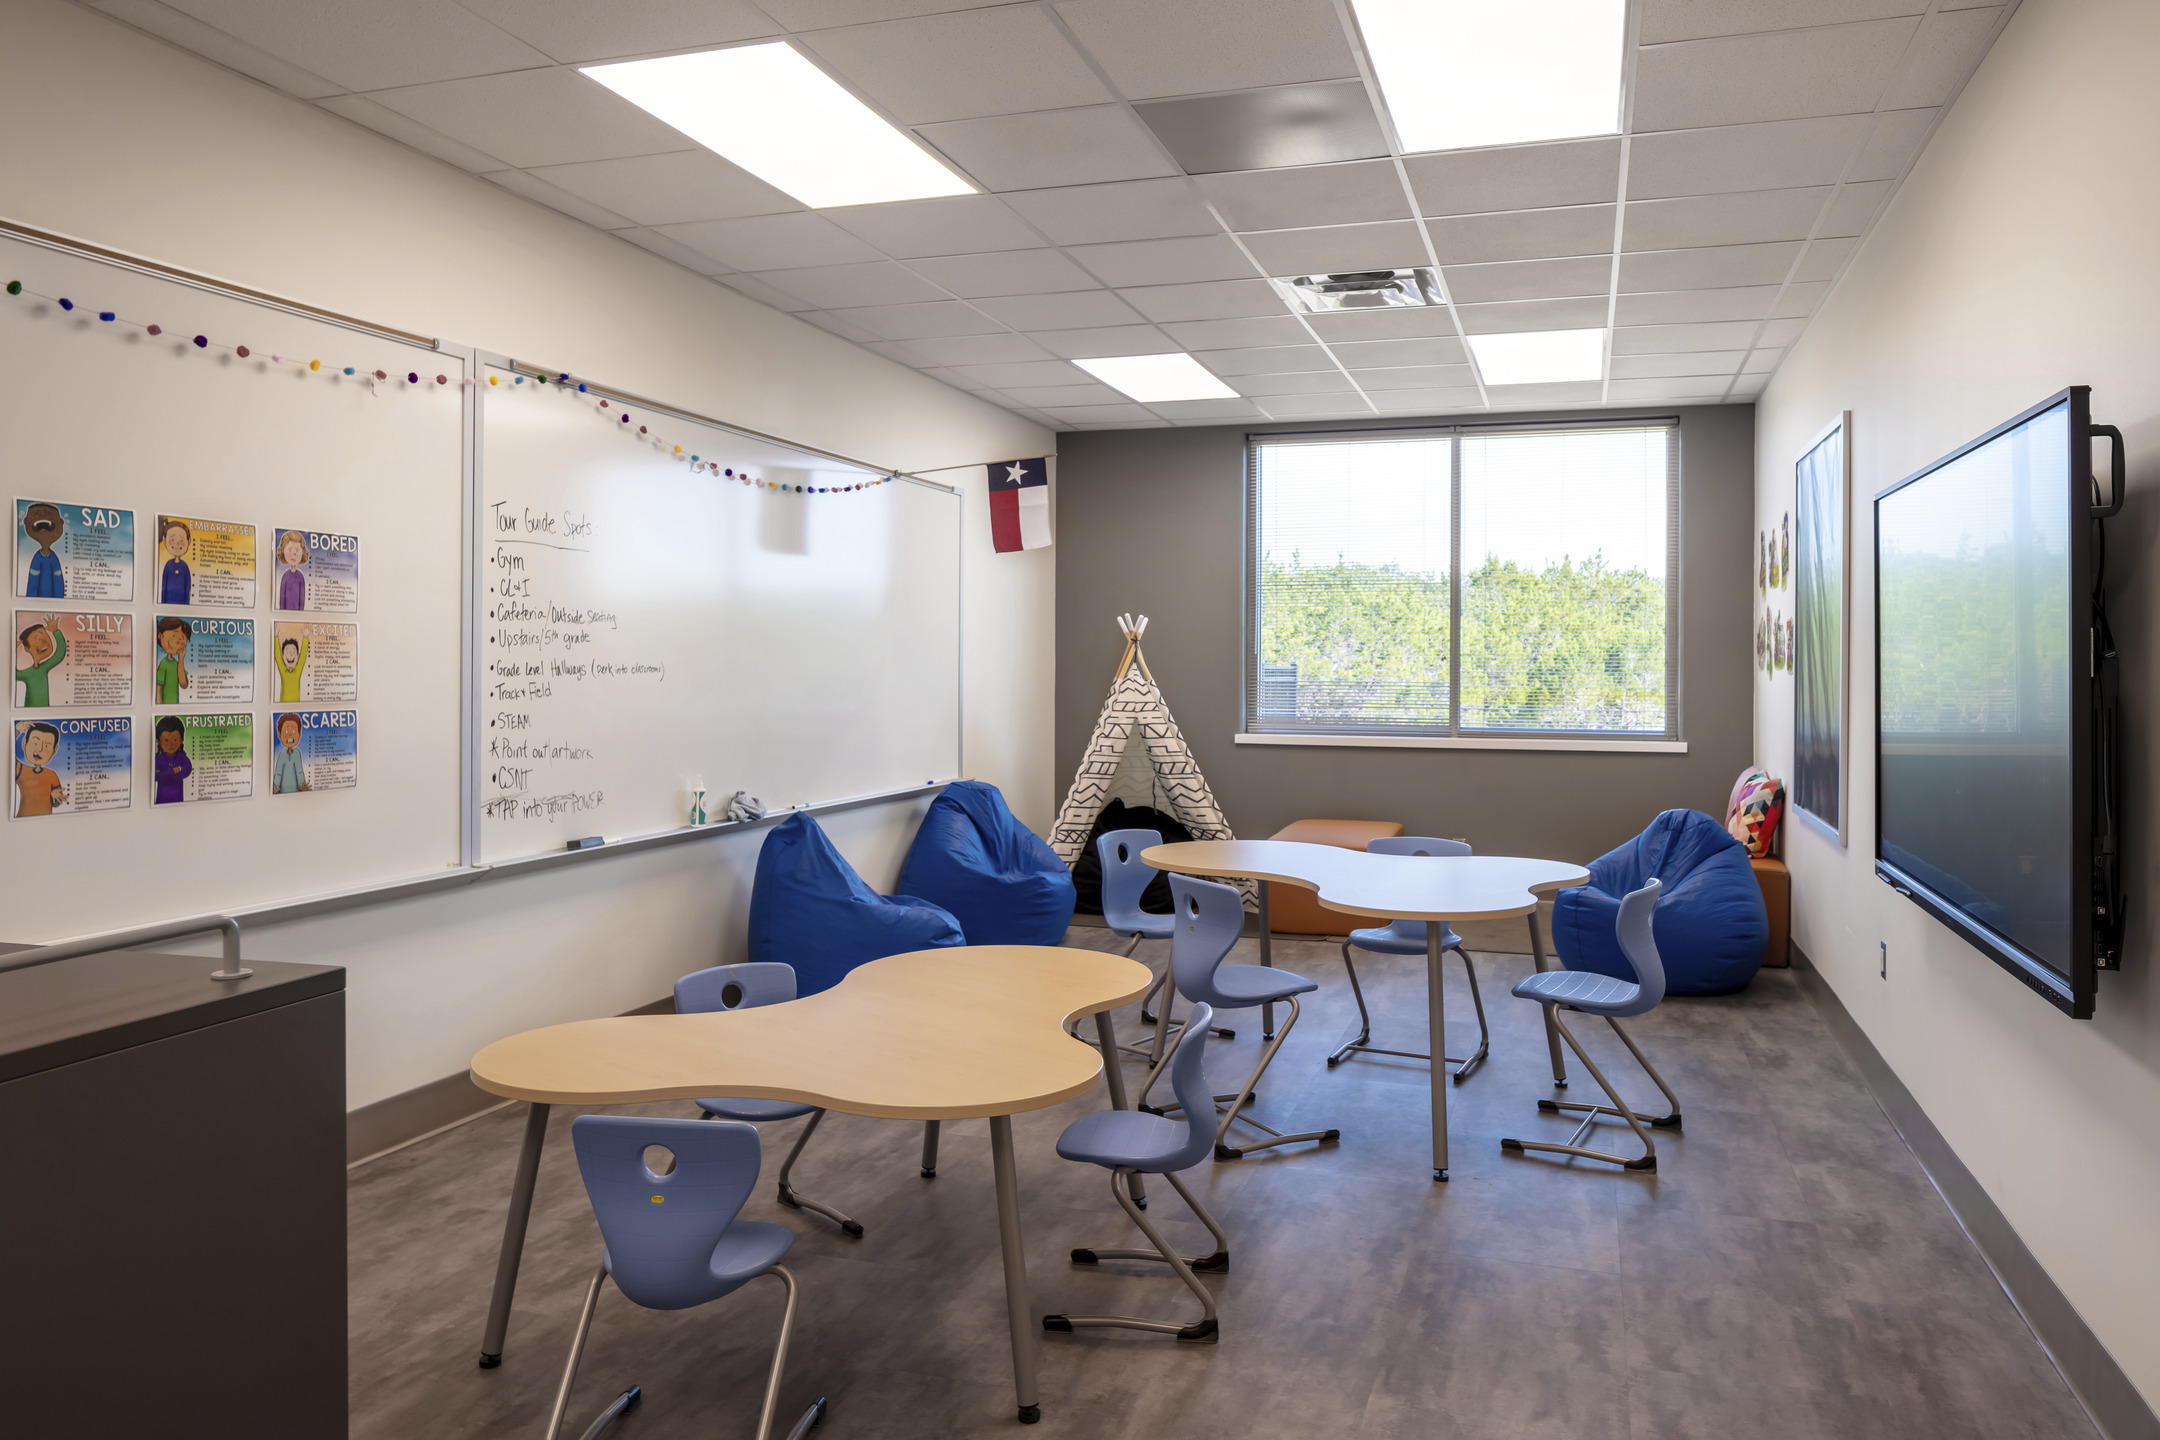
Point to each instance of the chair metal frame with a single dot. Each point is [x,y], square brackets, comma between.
[1106,847]
[1360,1043]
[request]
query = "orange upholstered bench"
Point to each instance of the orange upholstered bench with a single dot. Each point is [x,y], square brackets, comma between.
[1776,882]
[1294,910]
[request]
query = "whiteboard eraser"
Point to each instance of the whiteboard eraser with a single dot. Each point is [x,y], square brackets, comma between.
[585,844]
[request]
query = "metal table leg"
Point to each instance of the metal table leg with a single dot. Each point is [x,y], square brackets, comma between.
[1018,1309]
[929,1149]
[1114,1072]
[1552,1029]
[513,1244]
[1436,1004]
[1266,949]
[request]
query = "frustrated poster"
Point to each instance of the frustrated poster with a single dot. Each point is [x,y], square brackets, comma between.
[197,758]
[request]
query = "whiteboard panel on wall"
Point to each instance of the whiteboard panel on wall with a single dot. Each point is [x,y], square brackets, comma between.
[648,627]
[104,416]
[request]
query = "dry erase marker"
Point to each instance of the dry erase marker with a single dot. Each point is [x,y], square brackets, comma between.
[585,844]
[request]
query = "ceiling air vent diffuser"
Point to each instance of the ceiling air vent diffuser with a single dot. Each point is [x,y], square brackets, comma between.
[1361,290]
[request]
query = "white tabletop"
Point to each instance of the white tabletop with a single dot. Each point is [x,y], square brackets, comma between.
[1358,882]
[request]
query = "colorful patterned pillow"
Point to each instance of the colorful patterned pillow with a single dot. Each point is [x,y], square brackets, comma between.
[1756,807]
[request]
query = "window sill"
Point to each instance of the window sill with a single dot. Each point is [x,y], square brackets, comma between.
[1468,742]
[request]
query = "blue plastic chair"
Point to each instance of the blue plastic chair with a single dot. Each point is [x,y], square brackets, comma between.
[743,987]
[1407,937]
[1128,1142]
[1125,878]
[672,1239]
[1596,994]
[1210,919]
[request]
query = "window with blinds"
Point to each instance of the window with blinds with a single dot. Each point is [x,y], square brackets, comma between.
[1489,580]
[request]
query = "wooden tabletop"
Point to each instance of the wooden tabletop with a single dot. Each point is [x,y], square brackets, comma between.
[945,1034]
[1358,882]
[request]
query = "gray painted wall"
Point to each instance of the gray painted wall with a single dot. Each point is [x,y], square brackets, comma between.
[1151,521]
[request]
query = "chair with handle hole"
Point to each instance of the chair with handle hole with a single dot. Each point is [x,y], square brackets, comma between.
[1407,937]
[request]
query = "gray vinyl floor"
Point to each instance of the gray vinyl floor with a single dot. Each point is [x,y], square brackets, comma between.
[1787,1272]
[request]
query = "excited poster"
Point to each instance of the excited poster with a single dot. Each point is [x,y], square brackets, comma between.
[204,660]
[73,659]
[314,750]
[317,570]
[205,562]
[196,758]
[83,553]
[70,765]
[315,662]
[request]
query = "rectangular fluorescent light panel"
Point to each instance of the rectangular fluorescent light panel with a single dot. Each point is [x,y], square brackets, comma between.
[1463,73]
[1150,378]
[1540,357]
[785,121]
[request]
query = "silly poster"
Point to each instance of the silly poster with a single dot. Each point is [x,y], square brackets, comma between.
[201,757]
[317,570]
[74,552]
[70,765]
[314,750]
[315,661]
[203,660]
[205,562]
[73,659]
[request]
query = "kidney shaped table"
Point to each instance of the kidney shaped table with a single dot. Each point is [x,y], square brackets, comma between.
[883,1042]
[1432,888]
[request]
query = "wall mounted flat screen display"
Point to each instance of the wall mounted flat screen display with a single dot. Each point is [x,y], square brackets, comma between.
[1987,693]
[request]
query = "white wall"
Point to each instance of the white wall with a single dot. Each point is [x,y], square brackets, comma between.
[2019,258]
[122,141]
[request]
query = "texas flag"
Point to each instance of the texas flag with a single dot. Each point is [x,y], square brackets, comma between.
[1020,505]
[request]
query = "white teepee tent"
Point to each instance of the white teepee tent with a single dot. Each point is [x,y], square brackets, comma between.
[1159,771]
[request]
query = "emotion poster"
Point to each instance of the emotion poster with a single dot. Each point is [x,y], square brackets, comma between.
[315,662]
[204,562]
[203,660]
[195,758]
[68,551]
[73,658]
[316,570]
[314,750]
[69,765]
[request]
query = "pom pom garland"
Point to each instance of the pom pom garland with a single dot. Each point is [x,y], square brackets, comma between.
[241,351]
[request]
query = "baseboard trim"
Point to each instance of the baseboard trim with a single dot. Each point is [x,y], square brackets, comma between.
[411,1116]
[2113,1404]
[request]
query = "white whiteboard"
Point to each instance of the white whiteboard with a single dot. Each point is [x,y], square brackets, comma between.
[102,413]
[665,627]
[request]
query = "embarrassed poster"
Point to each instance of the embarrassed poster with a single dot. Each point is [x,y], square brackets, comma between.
[196,758]
[71,765]
[315,662]
[205,562]
[73,659]
[84,553]
[315,750]
[204,660]
[317,570]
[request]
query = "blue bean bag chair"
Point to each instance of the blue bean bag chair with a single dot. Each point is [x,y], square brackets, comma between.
[1710,924]
[1004,885]
[809,909]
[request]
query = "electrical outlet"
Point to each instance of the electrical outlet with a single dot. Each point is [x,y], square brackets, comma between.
[1885,972]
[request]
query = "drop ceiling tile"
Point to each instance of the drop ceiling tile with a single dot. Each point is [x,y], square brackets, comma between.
[1745,217]
[1707,268]
[774,242]
[899,354]
[1513,317]
[1656,367]
[1529,279]
[962,65]
[1950,44]
[1310,382]
[1127,210]
[670,189]
[1044,396]
[1414,377]
[831,287]
[1673,339]
[1193,259]
[1330,249]
[1668,20]
[1157,424]
[1452,400]
[1207,410]
[1835,70]
[1745,389]
[1266,360]
[948,225]
[828,14]
[556,198]
[408,131]
[1682,307]
[1762,362]
[1522,234]
[1236,334]
[1097,341]
[1542,397]
[669,248]
[756,289]
[1150,49]
[215,45]
[1315,407]
[1404,322]
[373,46]
[1004,272]
[1050,147]
[1212,300]
[845,329]
[1373,354]
[1773,155]
[1005,347]
[1801,298]
[955,379]
[1319,123]
[1006,375]
[1694,390]
[923,322]
[1824,259]
[1854,207]
[575,32]
[1898,136]
[1780,333]
[1307,195]
[534,117]
[1070,311]
[1119,416]
[1516,177]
